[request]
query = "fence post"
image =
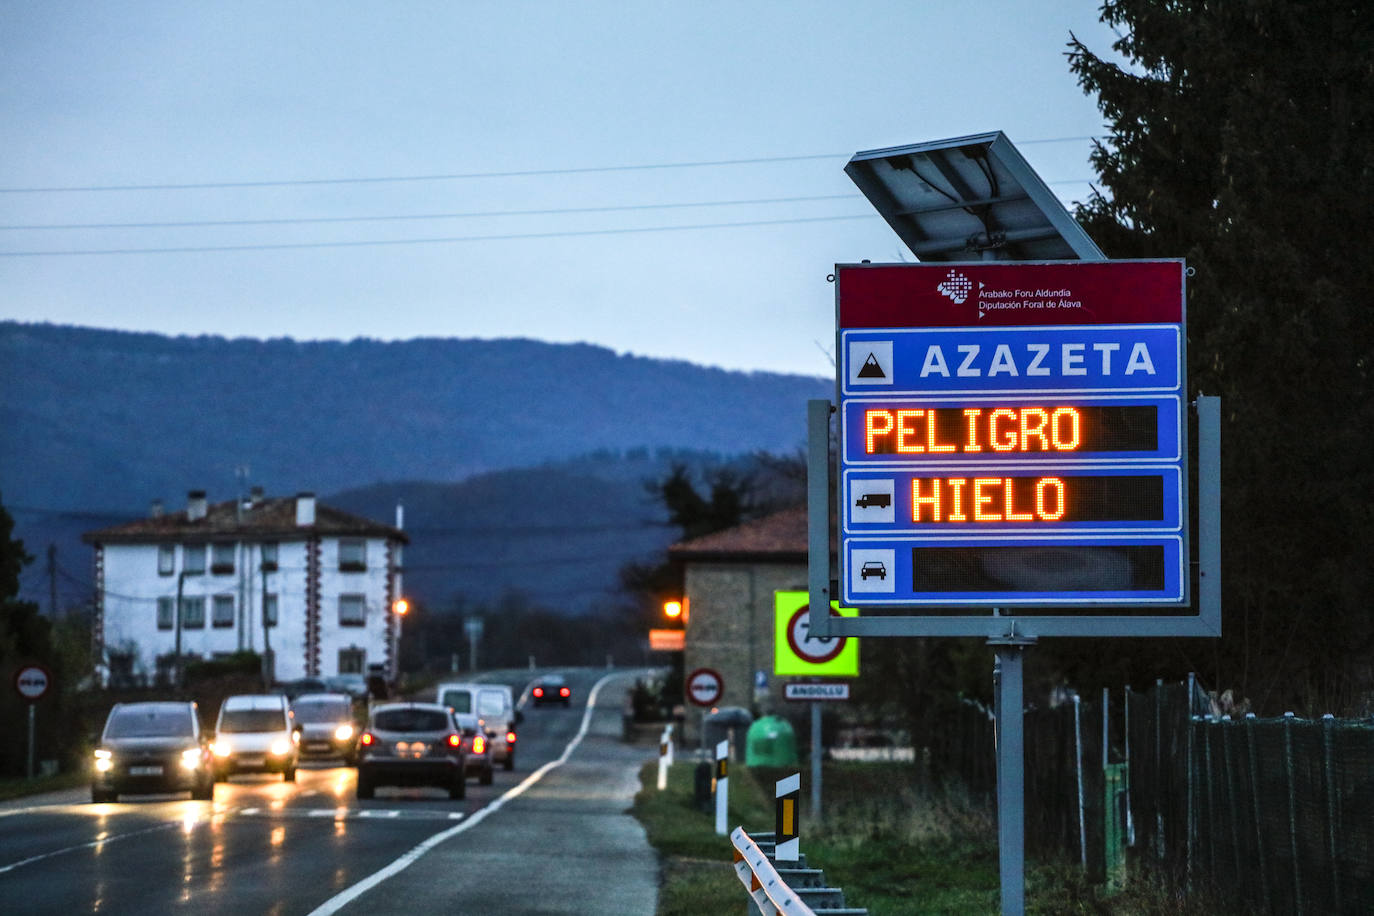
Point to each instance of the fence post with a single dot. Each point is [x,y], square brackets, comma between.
[1232,809]
[1078,762]
[1332,804]
[1190,767]
[1126,744]
[1209,797]
[1159,769]
[1253,761]
[1292,810]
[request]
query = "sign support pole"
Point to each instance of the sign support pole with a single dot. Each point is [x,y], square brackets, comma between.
[1011,762]
[31,732]
[816,755]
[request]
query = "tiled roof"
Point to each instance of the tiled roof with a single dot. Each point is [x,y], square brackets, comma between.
[780,536]
[265,519]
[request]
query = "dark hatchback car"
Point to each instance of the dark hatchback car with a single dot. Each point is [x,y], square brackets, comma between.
[153,748]
[326,726]
[412,744]
[551,688]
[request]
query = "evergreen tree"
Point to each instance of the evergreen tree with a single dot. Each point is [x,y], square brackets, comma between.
[1242,138]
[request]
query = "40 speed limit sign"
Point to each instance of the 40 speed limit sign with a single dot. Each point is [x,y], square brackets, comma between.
[797,652]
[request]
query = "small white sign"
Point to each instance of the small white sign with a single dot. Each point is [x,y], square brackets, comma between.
[870,362]
[816,691]
[873,570]
[871,500]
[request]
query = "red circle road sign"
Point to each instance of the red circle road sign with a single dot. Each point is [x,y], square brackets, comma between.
[705,686]
[812,649]
[32,681]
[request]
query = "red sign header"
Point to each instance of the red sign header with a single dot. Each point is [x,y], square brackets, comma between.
[1007,294]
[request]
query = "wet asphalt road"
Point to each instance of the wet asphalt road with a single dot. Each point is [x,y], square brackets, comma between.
[551,836]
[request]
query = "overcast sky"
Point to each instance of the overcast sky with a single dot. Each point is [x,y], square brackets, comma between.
[505,169]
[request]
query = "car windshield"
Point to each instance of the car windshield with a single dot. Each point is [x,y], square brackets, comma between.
[251,720]
[146,722]
[322,711]
[490,703]
[411,720]
[458,700]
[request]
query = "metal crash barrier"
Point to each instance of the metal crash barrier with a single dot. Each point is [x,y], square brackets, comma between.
[762,880]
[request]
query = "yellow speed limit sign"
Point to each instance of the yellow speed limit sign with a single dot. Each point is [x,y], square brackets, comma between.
[797,652]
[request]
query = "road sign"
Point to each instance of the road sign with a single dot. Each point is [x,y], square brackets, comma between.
[1012,434]
[810,692]
[797,652]
[705,687]
[32,681]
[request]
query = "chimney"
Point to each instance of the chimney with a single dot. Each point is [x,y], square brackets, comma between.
[400,516]
[195,505]
[305,509]
[155,510]
[255,496]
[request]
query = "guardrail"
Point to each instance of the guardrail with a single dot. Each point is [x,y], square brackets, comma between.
[785,891]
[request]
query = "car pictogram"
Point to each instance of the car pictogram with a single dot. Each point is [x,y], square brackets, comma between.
[873,568]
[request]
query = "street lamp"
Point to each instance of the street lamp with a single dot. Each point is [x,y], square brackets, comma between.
[672,609]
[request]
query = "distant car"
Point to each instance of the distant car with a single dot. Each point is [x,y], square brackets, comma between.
[412,744]
[254,734]
[152,747]
[355,685]
[494,705]
[481,760]
[326,727]
[873,568]
[551,688]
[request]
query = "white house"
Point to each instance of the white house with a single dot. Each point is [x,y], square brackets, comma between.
[309,586]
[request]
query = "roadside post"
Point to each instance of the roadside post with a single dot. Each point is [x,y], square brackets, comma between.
[665,755]
[31,682]
[787,826]
[1013,436]
[720,785]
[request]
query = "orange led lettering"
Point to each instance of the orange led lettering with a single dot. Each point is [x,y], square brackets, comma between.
[1043,486]
[905,432]
[933,500]
[971,414]
[997,442]
[931,444]
[1012,515]
[981,499]
[877,423]
[1033,421]
[1064,441]
[956,492]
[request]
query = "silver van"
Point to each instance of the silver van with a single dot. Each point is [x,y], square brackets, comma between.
[494,706]
[255,734]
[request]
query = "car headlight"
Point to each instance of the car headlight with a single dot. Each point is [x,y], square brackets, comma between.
[104,761]
[343,733]
[281,747]
[190,758]
[221,749]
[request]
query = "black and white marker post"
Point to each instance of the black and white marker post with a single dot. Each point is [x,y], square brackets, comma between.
[721,786]
[787,827]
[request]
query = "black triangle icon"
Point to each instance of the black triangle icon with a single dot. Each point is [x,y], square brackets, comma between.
[871,368]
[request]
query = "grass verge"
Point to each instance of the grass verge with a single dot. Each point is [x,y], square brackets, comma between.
[895,846]
[18,788]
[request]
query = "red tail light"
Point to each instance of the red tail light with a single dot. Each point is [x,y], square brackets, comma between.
[479,745]
[564,692]
[367,739]
[539,691]
[455,740]
[510,737]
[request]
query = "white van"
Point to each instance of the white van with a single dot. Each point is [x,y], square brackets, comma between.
[494,706]
[255,734]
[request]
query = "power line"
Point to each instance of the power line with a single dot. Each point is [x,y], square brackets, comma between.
[459,176]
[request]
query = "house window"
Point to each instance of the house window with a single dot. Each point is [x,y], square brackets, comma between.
[351,660]
[193,613]
[166,612]
[352,610]
[269,556]
[193,559]
[222,612]
[222,559]
[352,555]
[269,610]
[166,559]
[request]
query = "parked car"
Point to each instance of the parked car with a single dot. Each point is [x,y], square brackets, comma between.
[152,747]
[255,734]
[411,744]
[480,751]
[494,705]
[326,727]
[551,688]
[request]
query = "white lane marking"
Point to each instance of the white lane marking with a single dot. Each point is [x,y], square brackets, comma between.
[91,845]
[348,895]
[379,813]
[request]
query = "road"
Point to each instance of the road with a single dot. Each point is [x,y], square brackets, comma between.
[551,836]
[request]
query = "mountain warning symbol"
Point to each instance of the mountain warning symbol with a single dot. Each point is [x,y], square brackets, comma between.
[872,368]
